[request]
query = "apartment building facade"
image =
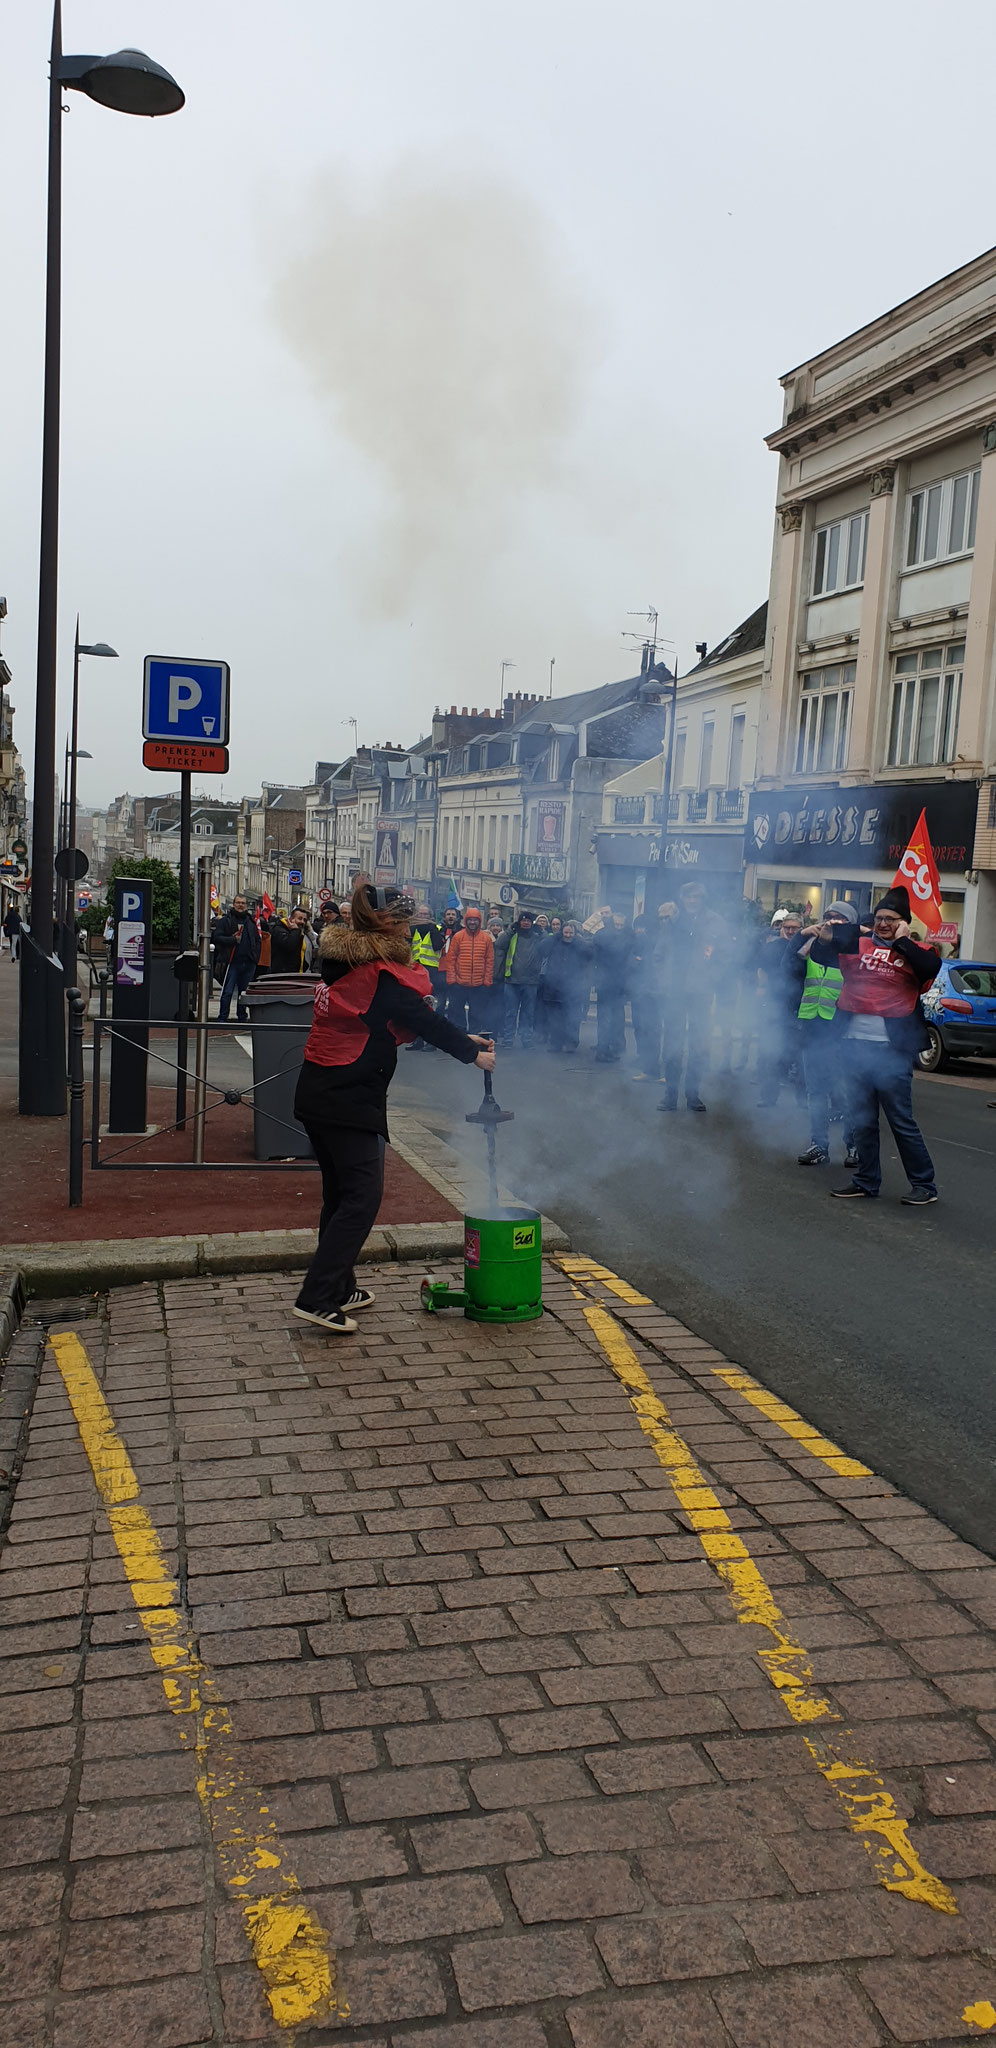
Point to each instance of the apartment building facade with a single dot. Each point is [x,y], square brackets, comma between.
[877,693]
[644,857]
[519,809]
[213,830]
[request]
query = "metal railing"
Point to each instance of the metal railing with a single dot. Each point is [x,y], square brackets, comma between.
[698,806]
[105,1031]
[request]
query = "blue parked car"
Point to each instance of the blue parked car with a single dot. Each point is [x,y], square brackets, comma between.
[960,1008]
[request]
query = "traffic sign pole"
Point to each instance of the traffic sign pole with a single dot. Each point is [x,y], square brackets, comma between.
[185,728]
[183,986]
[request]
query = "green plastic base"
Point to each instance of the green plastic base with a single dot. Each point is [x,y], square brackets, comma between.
[525,1312]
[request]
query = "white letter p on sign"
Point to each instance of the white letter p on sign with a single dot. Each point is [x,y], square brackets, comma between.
[184,695]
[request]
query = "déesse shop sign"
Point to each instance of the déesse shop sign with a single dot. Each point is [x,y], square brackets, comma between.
[840,829]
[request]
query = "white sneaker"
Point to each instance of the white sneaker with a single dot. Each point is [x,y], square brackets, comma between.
[331,1319]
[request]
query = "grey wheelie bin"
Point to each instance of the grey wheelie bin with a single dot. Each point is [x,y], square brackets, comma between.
[284,1000]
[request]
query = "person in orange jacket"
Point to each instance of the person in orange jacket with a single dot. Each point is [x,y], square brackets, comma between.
[470,967]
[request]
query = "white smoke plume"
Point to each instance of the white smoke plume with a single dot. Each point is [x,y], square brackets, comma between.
[436,316]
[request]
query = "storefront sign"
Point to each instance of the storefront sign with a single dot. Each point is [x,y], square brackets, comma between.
[550,826]
[711,852]
[871,826]
[386,856]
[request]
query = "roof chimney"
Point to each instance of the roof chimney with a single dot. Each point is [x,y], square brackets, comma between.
[463,710]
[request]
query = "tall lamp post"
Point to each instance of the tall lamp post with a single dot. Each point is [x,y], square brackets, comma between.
[130,83]
[76,753]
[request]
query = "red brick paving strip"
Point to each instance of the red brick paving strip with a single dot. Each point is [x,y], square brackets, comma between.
[524,1760]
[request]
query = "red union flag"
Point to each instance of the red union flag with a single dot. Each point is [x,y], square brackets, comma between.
[917,872]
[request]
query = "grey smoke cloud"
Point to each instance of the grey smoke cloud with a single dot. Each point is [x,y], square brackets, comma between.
[436,315]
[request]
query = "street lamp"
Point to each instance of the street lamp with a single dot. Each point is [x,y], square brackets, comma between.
[130,83]
[77,753]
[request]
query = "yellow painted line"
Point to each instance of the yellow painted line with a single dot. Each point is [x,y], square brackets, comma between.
[291,1948]
[793,1424]
[869,1807]
[588,1269]
[787,1419]
[982,2015]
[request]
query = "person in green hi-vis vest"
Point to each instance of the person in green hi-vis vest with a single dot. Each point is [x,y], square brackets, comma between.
[825,1091]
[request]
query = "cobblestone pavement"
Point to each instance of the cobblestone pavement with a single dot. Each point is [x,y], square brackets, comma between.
[526,1687]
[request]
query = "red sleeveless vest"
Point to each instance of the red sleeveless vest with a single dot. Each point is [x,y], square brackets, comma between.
[339,1033]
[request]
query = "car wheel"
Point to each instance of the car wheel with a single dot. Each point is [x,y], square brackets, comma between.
[933,1055]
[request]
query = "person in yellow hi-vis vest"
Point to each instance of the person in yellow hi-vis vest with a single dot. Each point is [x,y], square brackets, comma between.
[826,1095]
[427,952]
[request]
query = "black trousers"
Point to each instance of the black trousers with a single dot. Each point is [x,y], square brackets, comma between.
[352,1164]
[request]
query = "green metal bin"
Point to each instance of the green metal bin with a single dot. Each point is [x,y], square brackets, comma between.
[502,1270]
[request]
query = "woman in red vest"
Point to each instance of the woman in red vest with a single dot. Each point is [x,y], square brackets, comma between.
[370,1000]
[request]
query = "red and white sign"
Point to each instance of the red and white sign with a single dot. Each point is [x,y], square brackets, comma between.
[185,757]
[324,895]
[917,872]
[948,933]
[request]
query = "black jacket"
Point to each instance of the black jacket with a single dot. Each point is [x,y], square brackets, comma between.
[567,970]
[527,960]
[356,1095]
[784,968]
[236,938]
[287,948]
[613,955]
[908,1034]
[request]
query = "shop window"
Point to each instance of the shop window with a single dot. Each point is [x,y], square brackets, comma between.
[926,699]
[824,718]
[941,520]
[839,555]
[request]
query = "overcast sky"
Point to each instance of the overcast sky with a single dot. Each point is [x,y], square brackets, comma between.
[432,333]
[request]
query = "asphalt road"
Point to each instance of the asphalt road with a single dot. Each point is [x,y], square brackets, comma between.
[877,1322]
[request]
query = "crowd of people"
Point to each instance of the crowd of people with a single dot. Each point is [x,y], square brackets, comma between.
[832,1007]
[829,1011]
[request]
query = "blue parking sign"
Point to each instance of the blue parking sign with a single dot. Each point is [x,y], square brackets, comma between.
[185,700]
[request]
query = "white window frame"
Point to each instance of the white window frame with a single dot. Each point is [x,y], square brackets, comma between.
[738,718]
[839,551]
[945,666]
[707,748]
[931,510]
[818,689]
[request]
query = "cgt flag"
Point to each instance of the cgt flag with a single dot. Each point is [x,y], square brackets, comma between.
[917,872]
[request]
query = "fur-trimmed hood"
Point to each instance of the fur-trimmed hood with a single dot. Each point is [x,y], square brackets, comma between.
[349,948]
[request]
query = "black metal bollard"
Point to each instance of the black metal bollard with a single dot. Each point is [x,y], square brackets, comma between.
[77,1014]
[103,977]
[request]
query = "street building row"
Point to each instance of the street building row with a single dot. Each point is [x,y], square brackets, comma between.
[789,765]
